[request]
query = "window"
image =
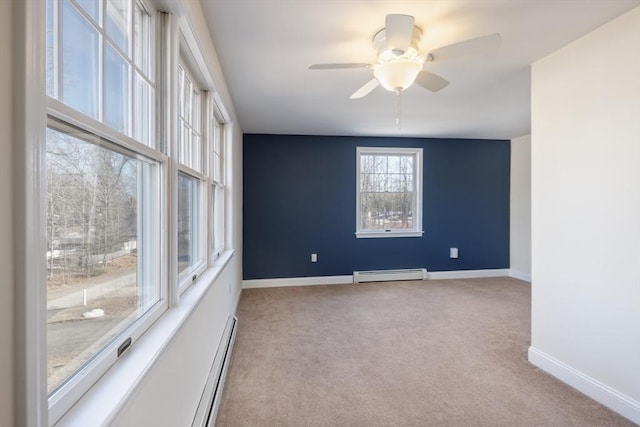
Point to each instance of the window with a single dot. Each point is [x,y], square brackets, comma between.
[216,174]
[100,257]
[103,192]
[389,192]
[191,221]
[189,129]
[99,62]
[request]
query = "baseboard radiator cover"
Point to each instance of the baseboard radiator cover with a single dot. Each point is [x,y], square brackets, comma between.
[212,394]
[390,275]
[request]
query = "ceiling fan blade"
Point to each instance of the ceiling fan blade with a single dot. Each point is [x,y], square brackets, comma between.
[366,89]
[478,45]
[337,66]
[399,31]
[430,81]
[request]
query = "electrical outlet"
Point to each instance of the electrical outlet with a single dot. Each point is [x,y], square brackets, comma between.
[453,252]
[314,257]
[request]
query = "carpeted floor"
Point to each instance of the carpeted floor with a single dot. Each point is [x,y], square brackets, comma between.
[426,353]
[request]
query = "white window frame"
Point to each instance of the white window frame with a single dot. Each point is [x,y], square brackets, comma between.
[147,76]
[185,152]
[216,139]
[187,277]
[417,230]
[65,119]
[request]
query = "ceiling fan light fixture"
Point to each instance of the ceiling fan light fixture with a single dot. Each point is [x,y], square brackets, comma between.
[397,75]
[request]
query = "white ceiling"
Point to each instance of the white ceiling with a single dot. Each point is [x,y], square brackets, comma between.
[265,46]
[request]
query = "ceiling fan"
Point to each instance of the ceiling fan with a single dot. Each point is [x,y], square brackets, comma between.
[399,63]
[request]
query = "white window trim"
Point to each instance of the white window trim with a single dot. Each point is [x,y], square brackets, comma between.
[417,231]
[66,119]
[216,127]
[184,61]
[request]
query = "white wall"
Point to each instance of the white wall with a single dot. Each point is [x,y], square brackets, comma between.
[6,260]
[586,214]
[520,208]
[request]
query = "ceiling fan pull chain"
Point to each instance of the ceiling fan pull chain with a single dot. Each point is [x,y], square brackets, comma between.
[398,107]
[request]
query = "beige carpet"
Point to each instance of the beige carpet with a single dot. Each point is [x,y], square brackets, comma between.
[427,353]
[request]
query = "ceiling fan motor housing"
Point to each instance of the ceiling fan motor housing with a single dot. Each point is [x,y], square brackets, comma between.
[387,52]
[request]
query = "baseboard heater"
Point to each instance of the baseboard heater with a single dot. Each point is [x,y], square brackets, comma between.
[389,275]
[212,395]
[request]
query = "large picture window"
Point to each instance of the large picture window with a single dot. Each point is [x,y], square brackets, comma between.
[389,193]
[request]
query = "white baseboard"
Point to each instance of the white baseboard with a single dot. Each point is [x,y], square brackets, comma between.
[468,274]
[297,281]
[520,275]
[343,280]
[612,399]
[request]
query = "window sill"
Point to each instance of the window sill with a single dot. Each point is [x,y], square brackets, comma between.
[101,404]
[379,234]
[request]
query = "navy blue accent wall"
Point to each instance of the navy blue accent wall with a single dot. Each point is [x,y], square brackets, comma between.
[299,199]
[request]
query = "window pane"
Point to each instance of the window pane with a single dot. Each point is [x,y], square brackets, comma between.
[79,80]
[91,7]
[393,164]
[142,46]
[367,164]
[188,223]
[406,164]
[189,130]
[195,154]
[215,159]
[380,164]
[99,255]
[385,211]
[116,90]
[117,22]
[50,49]
[218,219]
[143,118]
[186,87]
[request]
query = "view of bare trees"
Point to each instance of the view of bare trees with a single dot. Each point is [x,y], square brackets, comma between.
[386,191]
[91,207]
[92,228]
